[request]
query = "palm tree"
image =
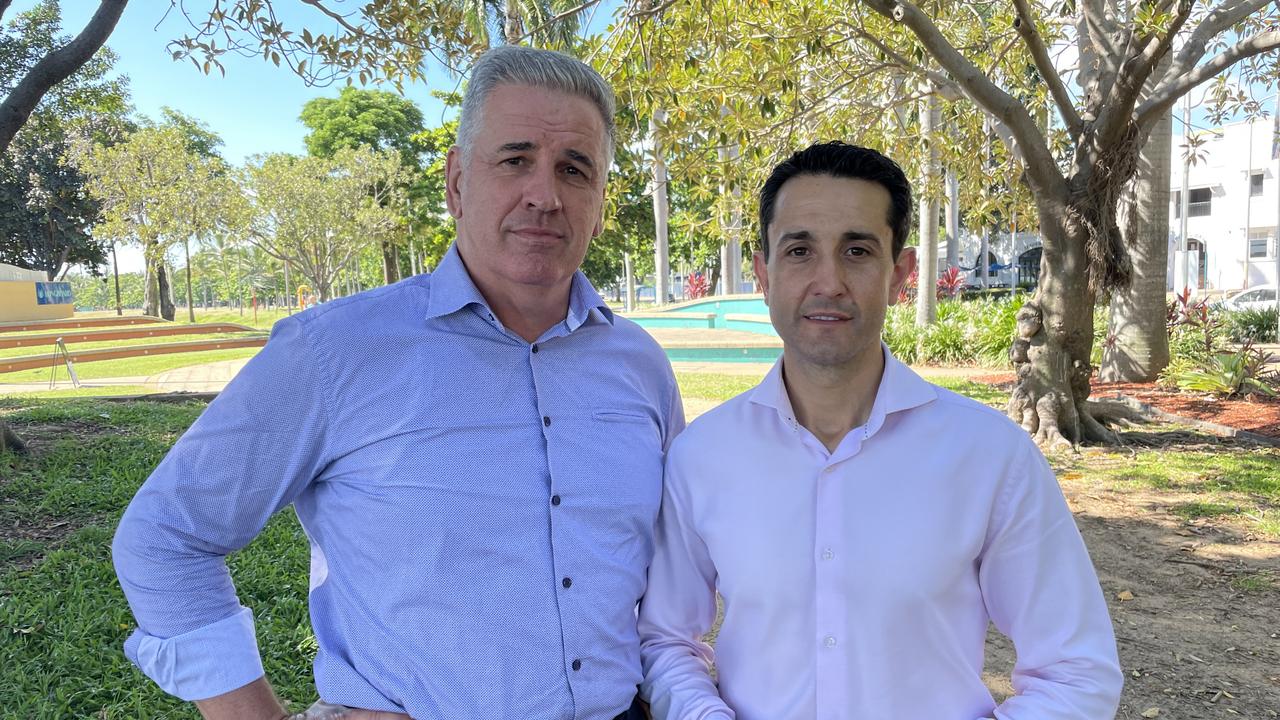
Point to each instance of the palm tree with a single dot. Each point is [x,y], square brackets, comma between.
[546,24]
[1137,344]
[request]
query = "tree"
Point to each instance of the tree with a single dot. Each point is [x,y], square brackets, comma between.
[46,217]
[776,67]
[154,191]
[53,67]
[379,42]
[1084,252]
[373,119]
[318,213]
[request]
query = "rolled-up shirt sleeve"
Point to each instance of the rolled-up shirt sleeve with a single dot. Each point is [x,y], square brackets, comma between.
[252,451]
[678,608]
[1041,591]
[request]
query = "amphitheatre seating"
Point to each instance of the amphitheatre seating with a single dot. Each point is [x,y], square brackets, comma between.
[104,321]
[119,333]
[45,333]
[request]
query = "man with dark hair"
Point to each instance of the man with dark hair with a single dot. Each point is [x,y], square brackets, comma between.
[475,456]
[862,526]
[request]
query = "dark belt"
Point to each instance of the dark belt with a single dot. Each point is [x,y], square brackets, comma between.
[638,711]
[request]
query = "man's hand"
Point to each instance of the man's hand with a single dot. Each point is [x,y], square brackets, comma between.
[322,710]
[255,701]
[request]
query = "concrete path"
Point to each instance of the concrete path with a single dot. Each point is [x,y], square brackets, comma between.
[209,377]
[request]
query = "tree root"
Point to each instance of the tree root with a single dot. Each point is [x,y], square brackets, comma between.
[10,440]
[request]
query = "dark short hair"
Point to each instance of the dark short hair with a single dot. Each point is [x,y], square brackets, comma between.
[841,160]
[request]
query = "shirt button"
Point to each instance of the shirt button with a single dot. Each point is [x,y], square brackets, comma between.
[535,348]
[827,470]
[829,641]
[555,500]
[567,583]
[577,665]
[827,554]
[546,421]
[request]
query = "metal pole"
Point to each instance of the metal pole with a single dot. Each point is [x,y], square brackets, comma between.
[1276,231]
[1248,206]
[1180,276]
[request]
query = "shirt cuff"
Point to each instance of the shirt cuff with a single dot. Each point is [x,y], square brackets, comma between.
[203,663]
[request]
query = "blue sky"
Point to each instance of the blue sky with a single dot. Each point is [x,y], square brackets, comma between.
[254,108]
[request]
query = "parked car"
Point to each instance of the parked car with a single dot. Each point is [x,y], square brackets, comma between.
[1258,297]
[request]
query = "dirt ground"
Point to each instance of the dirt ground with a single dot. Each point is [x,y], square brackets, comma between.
[1196,603]
[1192,645]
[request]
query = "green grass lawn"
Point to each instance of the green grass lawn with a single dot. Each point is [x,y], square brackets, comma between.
[63,618]
[130,367]
[266,318]
[76,347]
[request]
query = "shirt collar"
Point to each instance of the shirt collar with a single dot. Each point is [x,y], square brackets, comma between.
[900,389]
[453,289]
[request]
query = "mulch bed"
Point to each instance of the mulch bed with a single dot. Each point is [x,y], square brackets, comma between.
[1253,413]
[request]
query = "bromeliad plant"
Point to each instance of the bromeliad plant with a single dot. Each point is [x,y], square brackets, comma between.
[1230,373]
[950,283]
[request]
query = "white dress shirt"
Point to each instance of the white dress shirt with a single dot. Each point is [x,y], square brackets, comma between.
[858,584]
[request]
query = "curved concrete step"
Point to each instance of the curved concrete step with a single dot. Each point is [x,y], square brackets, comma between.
[105,321]
[28,362]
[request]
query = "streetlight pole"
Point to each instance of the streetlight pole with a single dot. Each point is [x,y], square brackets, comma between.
[1182,275]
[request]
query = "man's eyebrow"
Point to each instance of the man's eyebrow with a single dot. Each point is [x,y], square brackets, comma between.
[859,235]
[578,157]
[521,146]
[795,235]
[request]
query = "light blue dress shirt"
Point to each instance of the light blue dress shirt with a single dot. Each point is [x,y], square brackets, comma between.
[480,508]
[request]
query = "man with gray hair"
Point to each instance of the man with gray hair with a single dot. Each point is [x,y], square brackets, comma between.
[475,456]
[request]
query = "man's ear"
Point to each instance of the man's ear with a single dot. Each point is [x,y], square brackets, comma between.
[761,267]
[604,199]
[902,269]
[453,181]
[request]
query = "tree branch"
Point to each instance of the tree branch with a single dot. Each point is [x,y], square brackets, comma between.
[946,87]
[1041,167]
[1134,72]
[1217,21]
[1167,93]
[1026,27]
[55,67]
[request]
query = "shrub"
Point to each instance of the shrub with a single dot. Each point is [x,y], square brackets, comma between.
[901,333]
[995,321]
[945,342]
[1228,373]
[1258,325]
[965,332]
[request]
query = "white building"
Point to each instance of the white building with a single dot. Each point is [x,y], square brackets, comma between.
[1232,209]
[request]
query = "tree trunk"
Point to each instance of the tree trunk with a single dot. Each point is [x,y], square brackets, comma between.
[1053,340]
[10,440]
[953,219]
[191,305]
[150,296]
[629,274]
[165,288]
[926,293]
[661,259]
[55,67]
[1137,346]
[512,27]
[115,270]
[390,263]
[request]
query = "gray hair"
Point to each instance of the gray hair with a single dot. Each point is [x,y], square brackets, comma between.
[516,65]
